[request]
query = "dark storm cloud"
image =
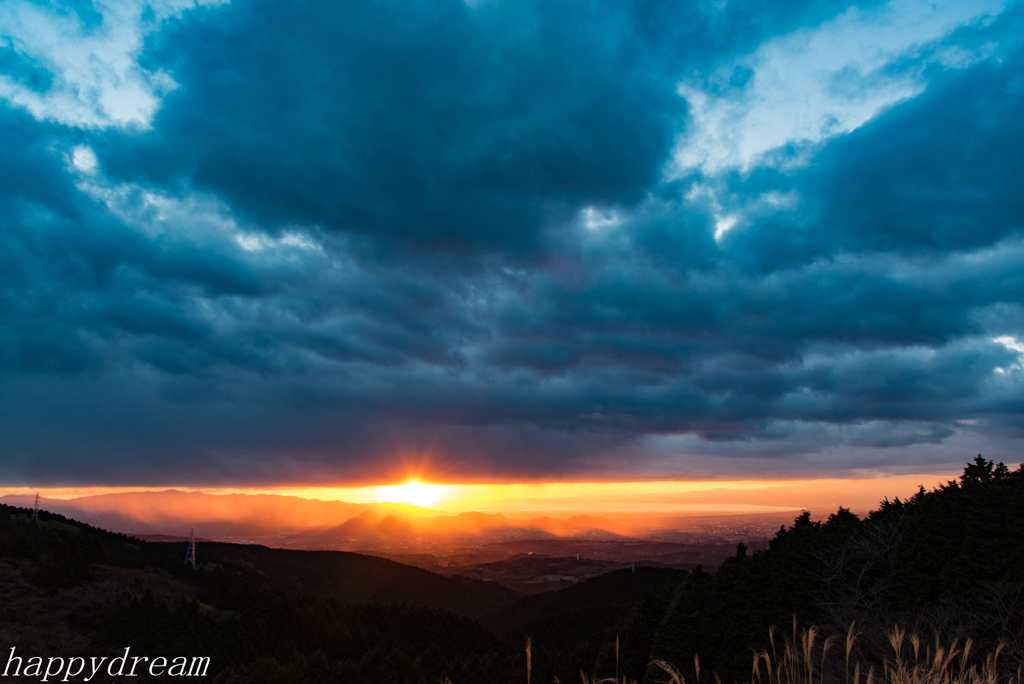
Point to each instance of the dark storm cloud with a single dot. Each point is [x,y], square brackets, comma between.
[360,239]
[428,122]
[433,123]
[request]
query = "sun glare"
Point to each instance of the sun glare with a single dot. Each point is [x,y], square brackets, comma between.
[563,499]
[413,492]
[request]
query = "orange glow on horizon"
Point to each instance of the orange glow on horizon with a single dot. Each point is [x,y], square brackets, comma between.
[570,498]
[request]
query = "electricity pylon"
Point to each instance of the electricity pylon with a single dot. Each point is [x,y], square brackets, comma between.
[190,555]
[35,510]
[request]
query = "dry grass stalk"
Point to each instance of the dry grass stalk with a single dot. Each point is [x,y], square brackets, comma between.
[529,657]
[851,638]
[675,676]
[799,658]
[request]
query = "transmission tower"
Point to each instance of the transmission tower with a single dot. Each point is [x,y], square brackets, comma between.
[190,555]
[35,509]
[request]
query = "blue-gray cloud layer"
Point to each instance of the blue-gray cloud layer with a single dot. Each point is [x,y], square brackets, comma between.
[359,238]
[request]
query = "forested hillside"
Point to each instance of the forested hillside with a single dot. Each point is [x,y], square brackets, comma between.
[949,560]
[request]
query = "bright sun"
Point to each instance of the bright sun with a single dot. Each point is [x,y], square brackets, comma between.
[413,492]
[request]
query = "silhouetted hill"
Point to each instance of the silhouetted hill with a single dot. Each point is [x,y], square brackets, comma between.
[561,618]
[64,549]
[570,625]
[357,578]
[262,615]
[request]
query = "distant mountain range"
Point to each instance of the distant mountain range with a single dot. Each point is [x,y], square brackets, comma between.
[429,539]
[267,615]
[173,512]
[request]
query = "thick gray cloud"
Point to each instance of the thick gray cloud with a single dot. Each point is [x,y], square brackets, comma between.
[355,241]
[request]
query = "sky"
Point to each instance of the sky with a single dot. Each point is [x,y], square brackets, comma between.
[673,498]
[261,243]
